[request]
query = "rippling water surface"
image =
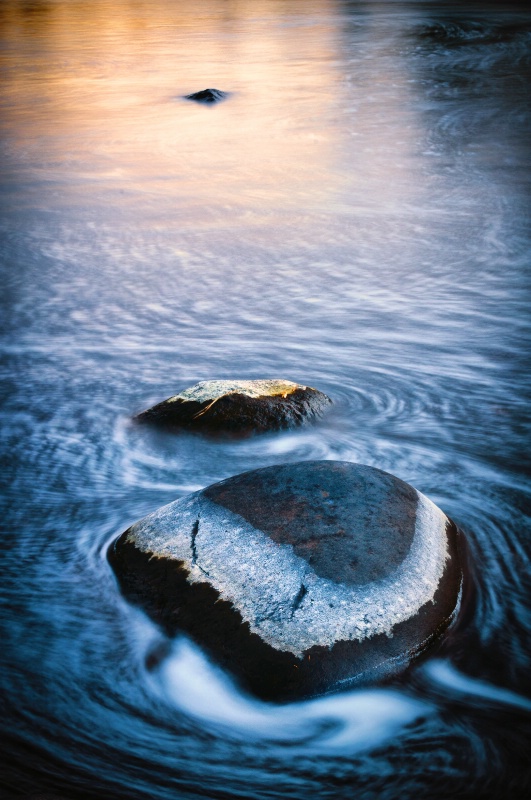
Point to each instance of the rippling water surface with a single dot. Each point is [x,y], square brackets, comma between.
[355,216]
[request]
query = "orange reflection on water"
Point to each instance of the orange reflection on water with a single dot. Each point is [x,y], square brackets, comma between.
[93,98]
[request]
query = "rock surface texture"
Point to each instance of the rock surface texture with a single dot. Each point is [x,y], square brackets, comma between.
[207,96]
[298,579]
[239,406]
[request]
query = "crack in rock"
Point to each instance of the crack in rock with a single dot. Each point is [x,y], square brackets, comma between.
[297,600]
[195,531]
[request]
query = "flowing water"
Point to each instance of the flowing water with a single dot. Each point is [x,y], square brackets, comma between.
[354,216]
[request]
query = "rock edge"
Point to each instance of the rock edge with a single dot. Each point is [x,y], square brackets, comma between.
[276,626]
[238,407]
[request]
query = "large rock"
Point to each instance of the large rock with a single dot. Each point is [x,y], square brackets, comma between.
[299,579]
[239,406]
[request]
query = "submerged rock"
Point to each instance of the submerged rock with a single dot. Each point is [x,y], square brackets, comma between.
[239,406]
[207,96]
[298,579]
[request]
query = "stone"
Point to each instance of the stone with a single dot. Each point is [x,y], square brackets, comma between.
[207,96]
[298,579]
[238,407]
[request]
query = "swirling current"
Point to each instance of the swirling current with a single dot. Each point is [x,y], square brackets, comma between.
[353,216]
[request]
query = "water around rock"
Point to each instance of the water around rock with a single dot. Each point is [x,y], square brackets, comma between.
[298,579]
[239,406]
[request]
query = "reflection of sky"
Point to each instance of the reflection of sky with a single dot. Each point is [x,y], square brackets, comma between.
[92,93]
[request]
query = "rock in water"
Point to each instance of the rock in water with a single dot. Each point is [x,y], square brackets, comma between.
[207,96]
[239,406]
[298,579]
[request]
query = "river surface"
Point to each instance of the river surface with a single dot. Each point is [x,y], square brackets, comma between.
[354,216]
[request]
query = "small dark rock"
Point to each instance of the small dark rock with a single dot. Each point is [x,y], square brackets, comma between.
[207,96]
[238,407]
[298,579]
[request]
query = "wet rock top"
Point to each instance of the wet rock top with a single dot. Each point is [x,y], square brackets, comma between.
[309,554]
[204,391]
[331,515]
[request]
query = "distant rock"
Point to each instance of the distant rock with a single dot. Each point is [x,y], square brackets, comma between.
[207,96]
[298,579]
[238,406]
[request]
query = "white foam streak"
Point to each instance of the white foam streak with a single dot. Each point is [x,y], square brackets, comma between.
[444,673]
[343,723]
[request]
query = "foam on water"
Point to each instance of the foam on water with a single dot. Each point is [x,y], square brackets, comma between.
[343,724]
[446,675]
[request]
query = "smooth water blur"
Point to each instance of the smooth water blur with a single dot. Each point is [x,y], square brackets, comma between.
[354,216]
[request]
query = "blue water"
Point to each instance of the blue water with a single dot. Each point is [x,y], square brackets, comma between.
[355,216]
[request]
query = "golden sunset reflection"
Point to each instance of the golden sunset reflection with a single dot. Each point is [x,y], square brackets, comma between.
[105,100]
[94,109]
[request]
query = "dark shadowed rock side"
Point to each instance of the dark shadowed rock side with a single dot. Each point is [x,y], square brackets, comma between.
[298,579]
[238,407]
[207,96]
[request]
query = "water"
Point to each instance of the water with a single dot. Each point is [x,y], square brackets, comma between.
[354,216]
